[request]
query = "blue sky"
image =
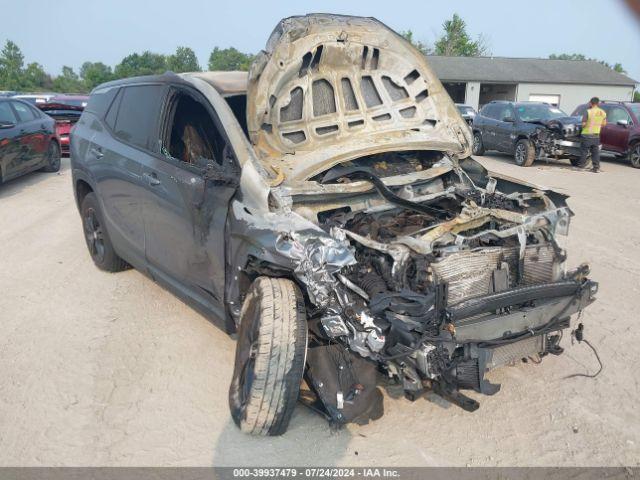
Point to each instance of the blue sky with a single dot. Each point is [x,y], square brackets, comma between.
[68,32]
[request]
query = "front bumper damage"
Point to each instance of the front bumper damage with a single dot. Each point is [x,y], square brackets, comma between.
[431,308]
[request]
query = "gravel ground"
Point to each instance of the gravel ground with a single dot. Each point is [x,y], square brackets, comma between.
[110,369]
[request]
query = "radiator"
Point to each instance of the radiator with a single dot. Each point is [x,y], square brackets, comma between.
[469,273]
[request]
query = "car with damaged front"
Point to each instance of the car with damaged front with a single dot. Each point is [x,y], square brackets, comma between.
[324,208]
[529,131]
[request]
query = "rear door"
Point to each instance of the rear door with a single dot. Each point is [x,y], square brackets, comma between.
[615,137]
[118,154]
[188,190]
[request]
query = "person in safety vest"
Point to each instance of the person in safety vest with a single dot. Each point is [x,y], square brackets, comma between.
[593,120]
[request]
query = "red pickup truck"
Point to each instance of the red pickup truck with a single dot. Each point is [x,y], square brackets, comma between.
[621,135]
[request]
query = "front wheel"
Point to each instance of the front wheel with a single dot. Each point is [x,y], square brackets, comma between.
[525,153]
[53,158]
[270,357]
[634,156]
[478,146]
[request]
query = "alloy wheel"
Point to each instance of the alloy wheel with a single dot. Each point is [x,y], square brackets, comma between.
[520,153]
[54,156]
[94,235]
[635,156]
[476,143]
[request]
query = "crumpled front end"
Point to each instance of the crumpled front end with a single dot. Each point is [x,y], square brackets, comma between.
[429,270]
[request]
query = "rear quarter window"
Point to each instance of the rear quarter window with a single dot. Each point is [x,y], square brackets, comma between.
[137,115]
[100,100]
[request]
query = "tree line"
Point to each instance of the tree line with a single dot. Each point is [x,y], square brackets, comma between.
[16,76]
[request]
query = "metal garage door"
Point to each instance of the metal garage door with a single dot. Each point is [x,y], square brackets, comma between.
[550,99]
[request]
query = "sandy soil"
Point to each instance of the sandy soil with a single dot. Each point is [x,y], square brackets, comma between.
[110,369]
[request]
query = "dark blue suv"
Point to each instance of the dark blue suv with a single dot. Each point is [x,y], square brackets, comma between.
[527,130]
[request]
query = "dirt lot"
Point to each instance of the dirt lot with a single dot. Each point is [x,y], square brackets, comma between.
[109,369]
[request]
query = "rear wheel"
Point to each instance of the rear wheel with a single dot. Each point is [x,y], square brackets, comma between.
[270,357]
[97,238]
[525,153]
[53,158]
[478,146]
[634,155]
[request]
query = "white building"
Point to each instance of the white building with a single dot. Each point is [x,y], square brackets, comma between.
[565,83]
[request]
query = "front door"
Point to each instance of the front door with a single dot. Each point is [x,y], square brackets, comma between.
[10,149]
[614,136]
[187,199]
[33,136]
[505,129]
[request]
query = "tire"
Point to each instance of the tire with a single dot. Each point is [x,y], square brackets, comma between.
[270,357]
[53,158]
[634,155]
[525,153]
[478,146]
[97,238]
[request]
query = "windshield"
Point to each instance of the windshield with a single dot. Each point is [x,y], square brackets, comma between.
[635,108]
[534,111]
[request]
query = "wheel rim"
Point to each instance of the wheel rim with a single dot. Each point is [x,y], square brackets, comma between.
[635,156]
[520,153]
[54,156]
[94,235]
[246,355]
[476,143]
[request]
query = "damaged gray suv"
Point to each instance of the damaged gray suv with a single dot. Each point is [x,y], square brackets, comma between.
[326,209]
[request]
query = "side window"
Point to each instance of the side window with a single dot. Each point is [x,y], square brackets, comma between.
[507,111]
[25,113]
[6,113]
[112,114]
[487,111]
[615,114]
[100,100]
[191,133]
[578,112]
[138,114]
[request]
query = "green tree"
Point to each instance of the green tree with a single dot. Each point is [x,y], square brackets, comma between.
[95,73]
[423,47]
[184,60]
[146,64]
[35,78]
[617,67]
[456,42]
[636,96]
[68,82]
[229,59]
[11,64]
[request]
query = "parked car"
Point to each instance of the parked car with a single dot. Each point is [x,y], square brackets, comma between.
[326,208]
[65,110]
[28,140]
[35,98]
[527,130]
[467,112]
[621,134]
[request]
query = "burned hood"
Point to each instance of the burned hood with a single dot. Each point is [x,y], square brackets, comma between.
[330,88]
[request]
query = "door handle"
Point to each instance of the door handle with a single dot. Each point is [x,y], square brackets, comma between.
[96,153]
[152,179]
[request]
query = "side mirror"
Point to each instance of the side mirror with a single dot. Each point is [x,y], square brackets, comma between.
[624,123]
[509,119]
[6,125]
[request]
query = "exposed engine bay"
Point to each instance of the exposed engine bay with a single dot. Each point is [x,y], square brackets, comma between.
[450,273]
[557,138]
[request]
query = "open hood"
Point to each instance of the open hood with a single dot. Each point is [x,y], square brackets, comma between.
[330,88]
